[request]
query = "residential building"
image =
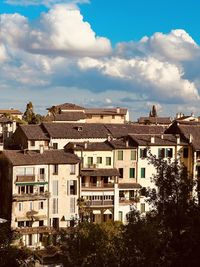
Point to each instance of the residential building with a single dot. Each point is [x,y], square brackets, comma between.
[38,192]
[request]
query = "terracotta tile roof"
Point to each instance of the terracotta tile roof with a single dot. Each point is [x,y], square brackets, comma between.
[125,129]
[155,120]
[68,106]
[159,140]
[76,131]
[129,185]
[20,157]
[94,146]
[10,111]
[106,111]
[100,172]
[34,132]
[185,129]
[68,116]
[121,143]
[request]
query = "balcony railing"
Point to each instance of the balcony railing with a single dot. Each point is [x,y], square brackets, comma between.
[25,178]
[100,203]
[99,185]
[35,230]
[37,196]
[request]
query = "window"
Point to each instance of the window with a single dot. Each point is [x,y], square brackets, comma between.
[113,116]
[131,194]
[30,240]
[108,161]
[99,160]
[72,185]
[132,173]
[120,216]
[31,205]
[161,152]
[55,169]
[55,187]
[32,143]
[101,116]
[55,206]
[42,173]
[20,206]
[133,154]
[142,172]
[25,171]
[120,155]
[72,204]
[72,169]
[90,161]
[165,152]
[20,224]
[41,223]
[55,145]
[185,152]
[41,189]
[142,207]
[121,172]
[168,152]
[41,205]
[143,153]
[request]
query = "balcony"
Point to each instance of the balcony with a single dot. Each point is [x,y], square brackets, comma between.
[35,230]
[97,186]
[25,178]
[97,203]
[131,200]
[33,196]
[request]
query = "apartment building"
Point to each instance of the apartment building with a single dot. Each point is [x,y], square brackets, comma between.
[98,179]
[68,112]
[38,192]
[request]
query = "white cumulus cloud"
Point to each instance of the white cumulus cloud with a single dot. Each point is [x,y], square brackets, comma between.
[61,31]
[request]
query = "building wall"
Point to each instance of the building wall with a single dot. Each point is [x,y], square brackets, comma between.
[105,119]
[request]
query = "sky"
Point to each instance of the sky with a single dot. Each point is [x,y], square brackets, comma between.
[101,53]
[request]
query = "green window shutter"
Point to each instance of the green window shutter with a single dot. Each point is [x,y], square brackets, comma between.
[132,173]
[120,155]
[142,172]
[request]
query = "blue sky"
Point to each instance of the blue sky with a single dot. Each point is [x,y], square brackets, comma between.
[111,53]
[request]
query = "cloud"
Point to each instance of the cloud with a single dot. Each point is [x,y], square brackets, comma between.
[175,46]
[59,58]
[59,32]
[47,3]
[158,79]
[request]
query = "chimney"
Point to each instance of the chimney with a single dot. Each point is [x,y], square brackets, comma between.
[74,145]
[190,138]
[118,110]
[152,139]
[86,145]
[109,137]
[41,149]
[178,139]
[127,143]
[162,136]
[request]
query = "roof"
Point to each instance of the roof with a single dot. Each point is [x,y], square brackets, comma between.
[121,130]
[87,146]
[100,172]
[10,111]
[20,157]
[68,106]
[159,140]
[34,132]
[106,111]
[121,143]
[4,119]
[129,185]
[68,116]
[155,120]
[187,130]
[76,131]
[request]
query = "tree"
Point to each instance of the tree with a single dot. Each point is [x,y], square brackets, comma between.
[169,235]
[29,115]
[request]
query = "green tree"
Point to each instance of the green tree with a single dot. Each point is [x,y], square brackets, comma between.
[29,115]
[169,234]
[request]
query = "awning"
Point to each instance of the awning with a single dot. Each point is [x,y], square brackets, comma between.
[96,212]
[31,183]
[107,212]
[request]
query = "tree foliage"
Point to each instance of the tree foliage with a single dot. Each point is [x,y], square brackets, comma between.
[29,115]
